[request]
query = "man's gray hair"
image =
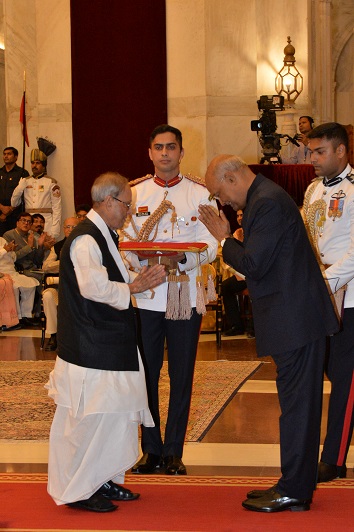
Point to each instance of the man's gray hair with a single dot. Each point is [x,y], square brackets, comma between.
[233,164]
[107,184]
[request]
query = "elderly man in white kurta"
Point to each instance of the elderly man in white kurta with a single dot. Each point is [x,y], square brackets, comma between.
[98,382]
[41,194]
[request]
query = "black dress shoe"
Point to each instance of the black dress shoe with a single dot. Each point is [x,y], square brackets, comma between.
[96,503]
[234,331]
[114,492]
[29,322]
[274,502]
[13,328]
[255,494]
[51,344]
[174,466]
[327,472]
[147,464]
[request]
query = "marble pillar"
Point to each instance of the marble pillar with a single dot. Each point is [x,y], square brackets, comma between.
[37,42]
[222,56]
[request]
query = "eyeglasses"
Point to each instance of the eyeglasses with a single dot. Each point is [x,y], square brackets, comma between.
[216,196]
[128,205]
[69,226]
[25,221]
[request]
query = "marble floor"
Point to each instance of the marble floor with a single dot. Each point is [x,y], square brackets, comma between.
[244,440]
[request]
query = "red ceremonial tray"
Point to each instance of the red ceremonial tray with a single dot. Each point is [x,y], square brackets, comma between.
[151,249]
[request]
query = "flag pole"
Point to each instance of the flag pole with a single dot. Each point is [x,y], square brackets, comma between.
[24,120]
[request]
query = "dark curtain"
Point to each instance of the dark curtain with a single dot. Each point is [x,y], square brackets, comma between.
[119,86]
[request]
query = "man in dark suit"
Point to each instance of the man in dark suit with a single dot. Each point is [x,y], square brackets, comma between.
[292,314]
[10,175]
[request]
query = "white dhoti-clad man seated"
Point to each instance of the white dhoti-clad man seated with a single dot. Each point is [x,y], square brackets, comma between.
[98,382]
[50,294]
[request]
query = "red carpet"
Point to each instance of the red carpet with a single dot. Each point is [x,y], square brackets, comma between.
[174,504]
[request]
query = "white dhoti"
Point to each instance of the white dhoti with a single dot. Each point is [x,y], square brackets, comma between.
[94,434]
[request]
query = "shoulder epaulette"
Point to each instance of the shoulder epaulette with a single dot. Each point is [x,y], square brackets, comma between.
[140,180]
[54,181]
[350,177]
[195,179]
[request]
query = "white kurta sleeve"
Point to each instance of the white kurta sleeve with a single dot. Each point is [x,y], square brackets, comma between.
[92,276]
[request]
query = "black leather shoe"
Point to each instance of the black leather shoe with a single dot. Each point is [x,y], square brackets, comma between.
[51,344]
[274,502]
[96,503]
[13,328]
[147,464]
[255,494]
[29,322]
[114,492]
[234,331]
[327,472]
[174,466]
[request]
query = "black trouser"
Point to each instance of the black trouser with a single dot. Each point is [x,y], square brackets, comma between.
[182,340]
[300,388]
[339,369]
[229,288]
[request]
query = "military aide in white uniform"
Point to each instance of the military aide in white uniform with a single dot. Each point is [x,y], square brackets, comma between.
[41,194]
[329,215]
[179,224]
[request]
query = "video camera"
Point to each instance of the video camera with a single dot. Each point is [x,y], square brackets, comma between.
[267,123]
[266,127]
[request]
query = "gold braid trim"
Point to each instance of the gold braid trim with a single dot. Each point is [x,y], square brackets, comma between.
[140,180]
[312,214]
[150,223]
[195,179]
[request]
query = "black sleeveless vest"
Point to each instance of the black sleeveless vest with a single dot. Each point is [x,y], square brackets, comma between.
[91,334]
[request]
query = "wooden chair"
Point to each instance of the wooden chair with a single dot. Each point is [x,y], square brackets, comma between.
[215,306]
[245,305]
[48,280]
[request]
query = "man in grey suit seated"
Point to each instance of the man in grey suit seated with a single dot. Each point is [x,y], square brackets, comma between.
[29,251]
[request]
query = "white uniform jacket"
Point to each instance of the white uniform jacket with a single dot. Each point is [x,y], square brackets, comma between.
[186,197]
[335,234]
[42,193]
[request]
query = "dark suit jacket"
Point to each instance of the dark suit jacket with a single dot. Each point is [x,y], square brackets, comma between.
[290,301]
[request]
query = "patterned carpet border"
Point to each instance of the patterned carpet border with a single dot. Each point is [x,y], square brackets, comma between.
[26,411]
[197,480]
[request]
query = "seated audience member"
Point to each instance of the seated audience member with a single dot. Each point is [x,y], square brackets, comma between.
[230,288]
[82,210]
[37,227]
[29,251]
[24,287]
[8,312]
[300,154]
[38,222]
[50,295]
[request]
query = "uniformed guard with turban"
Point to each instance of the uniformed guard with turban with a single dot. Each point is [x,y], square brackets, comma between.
[41,193]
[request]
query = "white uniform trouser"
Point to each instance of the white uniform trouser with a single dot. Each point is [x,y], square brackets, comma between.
[24,306]
[50,306]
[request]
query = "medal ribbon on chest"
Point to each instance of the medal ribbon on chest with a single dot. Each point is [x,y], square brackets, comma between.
[336,205]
